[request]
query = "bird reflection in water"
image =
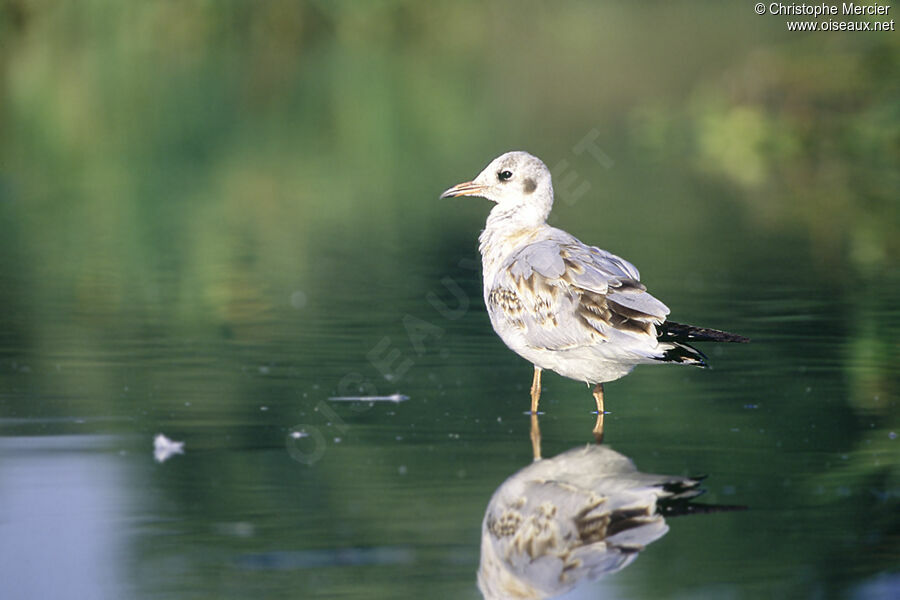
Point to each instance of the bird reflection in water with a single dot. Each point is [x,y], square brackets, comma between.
[573,518]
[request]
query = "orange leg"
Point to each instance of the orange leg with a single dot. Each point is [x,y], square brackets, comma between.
[535,390]
[598,426]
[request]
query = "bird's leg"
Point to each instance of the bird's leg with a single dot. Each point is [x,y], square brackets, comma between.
[598,426]
[598,397]
[535,390]
[535,436]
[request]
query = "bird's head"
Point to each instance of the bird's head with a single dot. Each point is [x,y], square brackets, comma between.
[515,180]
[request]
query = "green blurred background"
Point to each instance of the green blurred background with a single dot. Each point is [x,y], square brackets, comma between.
[216,214]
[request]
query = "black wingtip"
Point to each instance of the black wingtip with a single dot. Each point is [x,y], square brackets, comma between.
[672,331]
[685,355]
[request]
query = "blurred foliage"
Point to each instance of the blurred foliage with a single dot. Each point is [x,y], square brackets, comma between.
[210,207]
[812,138]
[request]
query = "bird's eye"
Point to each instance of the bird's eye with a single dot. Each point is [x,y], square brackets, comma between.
[504,175]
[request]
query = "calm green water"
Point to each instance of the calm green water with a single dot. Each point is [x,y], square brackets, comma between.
[215,218]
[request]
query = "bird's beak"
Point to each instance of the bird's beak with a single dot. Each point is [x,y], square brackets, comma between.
[469,188]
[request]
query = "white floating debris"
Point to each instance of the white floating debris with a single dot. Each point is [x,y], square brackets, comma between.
[298,434]
[396,398]
[164,448]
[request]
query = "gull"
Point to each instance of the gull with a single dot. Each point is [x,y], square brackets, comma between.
[563,305]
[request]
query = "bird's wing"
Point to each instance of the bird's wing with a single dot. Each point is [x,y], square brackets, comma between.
[564,294]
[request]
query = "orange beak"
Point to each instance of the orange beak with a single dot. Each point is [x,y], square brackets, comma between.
[469,188]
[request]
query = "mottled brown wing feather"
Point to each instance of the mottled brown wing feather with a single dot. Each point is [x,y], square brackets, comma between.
[563,294]
[539,296]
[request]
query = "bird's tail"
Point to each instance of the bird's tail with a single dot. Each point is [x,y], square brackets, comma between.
[685,354]
[676,332]
[675,338]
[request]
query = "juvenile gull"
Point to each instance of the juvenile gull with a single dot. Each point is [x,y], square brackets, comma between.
[561,304]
